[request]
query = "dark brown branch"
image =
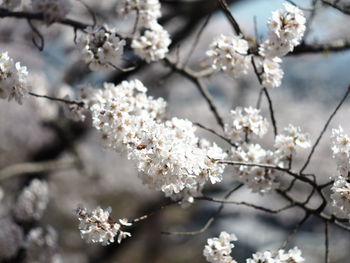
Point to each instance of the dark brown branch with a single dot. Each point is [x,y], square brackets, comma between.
[78,103]
[215,133]
[272,113]
[261,208]
[336,46]
[324,129]
[337,7]
[326,237]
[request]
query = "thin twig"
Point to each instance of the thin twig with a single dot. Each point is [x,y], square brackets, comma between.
[326,236]
[37,33]
[261,208]
[324,130]
[215,133]
[272,113]
[78,103]
[337,7]
[196,40]
[294,231]
[210,221]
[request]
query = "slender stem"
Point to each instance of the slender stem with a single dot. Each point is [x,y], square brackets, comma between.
[79,103]
[326,235]
[324,130]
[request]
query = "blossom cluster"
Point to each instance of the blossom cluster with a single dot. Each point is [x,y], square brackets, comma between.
[289,140]
[245,123]
[153,44]
[258,179]
[218,250]
[102,49]
[32,201]
[52,10]
[293,255]
[148,11]
[168,155]
[13,78]
[341,187]
[97,226]
[230,54]
[341,150]
[286,29]
[151,41]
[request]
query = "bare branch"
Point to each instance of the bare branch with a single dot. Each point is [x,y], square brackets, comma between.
[78,103]
[324,129]
[326,237]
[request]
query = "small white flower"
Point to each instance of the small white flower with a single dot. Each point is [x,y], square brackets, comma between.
[272,73]
[246,123]
[101,48]
[286,30]
[341,150]
[97,226]
[341,197]
[148,11]
[287,142]
[153,44]
[230,54]
[13,78]
[260,180]
[218,250]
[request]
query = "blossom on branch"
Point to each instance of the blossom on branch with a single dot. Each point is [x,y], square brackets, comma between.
[147,11]
[230,54]
[260,180]
[97,226]
[153,44]
[293,255]
[218,250]
[341,150]
[289,140]
[272,73]
[286,30]
[168,155]
[341,197]
[13,79]
[246,123]
[102,49]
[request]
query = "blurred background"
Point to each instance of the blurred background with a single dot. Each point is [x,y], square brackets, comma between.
[38,132]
